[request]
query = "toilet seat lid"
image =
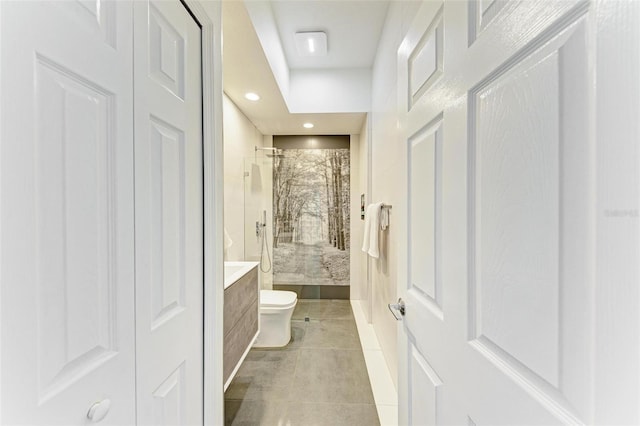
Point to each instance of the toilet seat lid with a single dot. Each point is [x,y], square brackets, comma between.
[277,298]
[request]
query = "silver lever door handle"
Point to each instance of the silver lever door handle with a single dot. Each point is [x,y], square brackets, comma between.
[397,309]
[99,410]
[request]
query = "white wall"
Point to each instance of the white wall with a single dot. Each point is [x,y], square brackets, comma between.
[329,90]
[359,185]
[386,153]
[365,185]
[357,281]
[265,26]
[309,90]
[240,138]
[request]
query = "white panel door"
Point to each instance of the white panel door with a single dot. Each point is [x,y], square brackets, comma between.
[520,127]
[67,247]
[169,215]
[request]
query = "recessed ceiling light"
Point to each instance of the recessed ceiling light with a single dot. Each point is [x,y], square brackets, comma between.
[311,43]
[308,125]
[252,96]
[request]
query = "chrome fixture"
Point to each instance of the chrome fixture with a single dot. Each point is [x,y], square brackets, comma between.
[274,152]
[261,233]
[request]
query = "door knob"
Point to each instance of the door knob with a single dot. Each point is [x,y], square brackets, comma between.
[397,309]
[99,410]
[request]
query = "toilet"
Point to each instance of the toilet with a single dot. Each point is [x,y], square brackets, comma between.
[276,309]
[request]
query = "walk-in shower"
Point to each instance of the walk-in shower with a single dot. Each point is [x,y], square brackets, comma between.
[258,235]
[297,221]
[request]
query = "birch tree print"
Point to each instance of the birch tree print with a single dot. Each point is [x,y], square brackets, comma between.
[311,217]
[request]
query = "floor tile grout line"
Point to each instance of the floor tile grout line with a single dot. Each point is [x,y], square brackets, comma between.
[329,348]
[295,368]
[287,402]
[350,317]
[334,403]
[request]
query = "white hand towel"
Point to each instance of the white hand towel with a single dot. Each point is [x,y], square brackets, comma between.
[373,232]
[367,229]
[384,219]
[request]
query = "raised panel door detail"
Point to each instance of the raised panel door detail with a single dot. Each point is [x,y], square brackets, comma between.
[425,392]
[529,231]
[426,60]
[425,176]
[169,399]
[481,14]
[75,226]
[168,227]
[517,207]
[169,211]
[486,5]
[97,17]
[166,53]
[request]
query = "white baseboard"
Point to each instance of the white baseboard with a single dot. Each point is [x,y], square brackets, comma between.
[384,391]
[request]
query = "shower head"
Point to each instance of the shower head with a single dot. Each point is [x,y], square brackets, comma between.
[274,152]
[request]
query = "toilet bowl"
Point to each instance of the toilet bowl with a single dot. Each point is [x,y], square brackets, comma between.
[276,309]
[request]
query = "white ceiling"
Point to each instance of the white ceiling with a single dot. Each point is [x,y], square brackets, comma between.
[353,29]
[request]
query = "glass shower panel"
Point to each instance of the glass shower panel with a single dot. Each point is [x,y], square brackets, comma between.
[258,239]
